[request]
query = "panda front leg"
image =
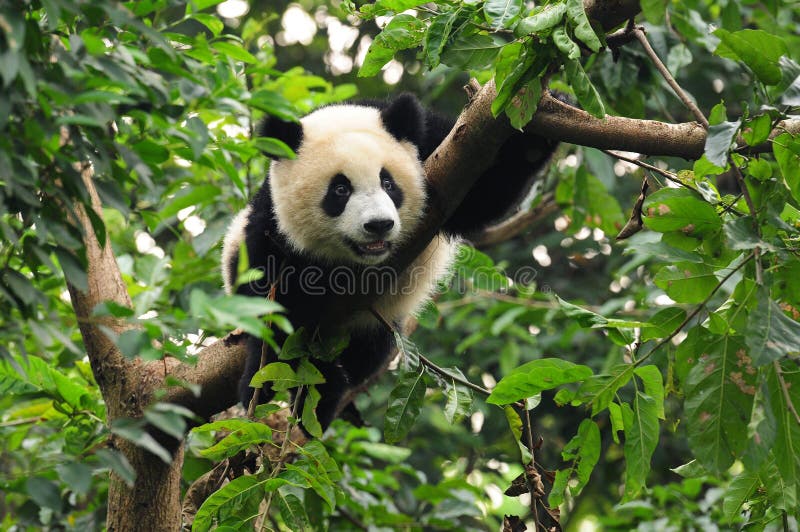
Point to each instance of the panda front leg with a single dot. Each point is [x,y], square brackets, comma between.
[366,354]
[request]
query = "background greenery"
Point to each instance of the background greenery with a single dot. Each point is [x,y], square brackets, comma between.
[674,407]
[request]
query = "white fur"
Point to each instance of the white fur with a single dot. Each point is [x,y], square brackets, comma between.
[351,140]
[231,244]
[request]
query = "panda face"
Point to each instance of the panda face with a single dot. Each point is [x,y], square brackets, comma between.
[354,192]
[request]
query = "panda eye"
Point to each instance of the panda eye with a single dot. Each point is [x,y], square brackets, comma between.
[387,184]
[341,190]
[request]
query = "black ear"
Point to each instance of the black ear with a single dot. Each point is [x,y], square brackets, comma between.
[289,132]
[404,118]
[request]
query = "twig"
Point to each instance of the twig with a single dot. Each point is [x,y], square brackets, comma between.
[516,224]
[251,407]
[687,101]
[694,313]
[428,363]
[287,438]
[750,205]
[531,490]
[667,175]
[785,391]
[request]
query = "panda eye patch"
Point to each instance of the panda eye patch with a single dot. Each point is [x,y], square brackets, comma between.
[335,200]
[389,185]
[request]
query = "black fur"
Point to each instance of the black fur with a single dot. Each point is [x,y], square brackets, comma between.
[334,203]
[404,118]
[497,191]
[392,190]
[290,133]
[310,301]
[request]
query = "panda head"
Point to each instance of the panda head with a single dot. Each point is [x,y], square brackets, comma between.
[356,189]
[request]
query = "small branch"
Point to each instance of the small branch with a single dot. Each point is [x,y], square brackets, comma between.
[785,391]
[428,363]
[516,224]
[694,313]
[751,206]
[641,164]
[667,175]
[687,101]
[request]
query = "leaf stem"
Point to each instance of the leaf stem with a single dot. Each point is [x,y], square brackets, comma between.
[751,206]
[785,391]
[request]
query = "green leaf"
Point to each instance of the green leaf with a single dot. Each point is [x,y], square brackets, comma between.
[787,153]
[584,452]
[786,445]
[44,493]
[502,13]
[653,386]
[687,282]
[515,424]
[599,390]
[719,392]
[546,18]
[234,51]
[583,30]
[117,462]
[759,50]
[246,435]
[680,209]
[436,37]
[720,139]
[617,422]
[654,11]
[641,438]
[566,45]
[525,104]
[273,103]
[738,492]
[756,130]
[211,22]
[663,323]
[402,32]
[533,377]
[770,334]
[585,91]
[134,432]
[309,415]
[472,50]
[292,511]
[781,491]
[280,374]
[459,398]
[240,496]
[405,402]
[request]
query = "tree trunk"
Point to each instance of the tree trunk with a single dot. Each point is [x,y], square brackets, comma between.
[153,503]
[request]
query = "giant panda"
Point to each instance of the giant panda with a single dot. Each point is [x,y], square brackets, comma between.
[325,220]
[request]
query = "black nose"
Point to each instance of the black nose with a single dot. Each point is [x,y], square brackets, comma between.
[378,227]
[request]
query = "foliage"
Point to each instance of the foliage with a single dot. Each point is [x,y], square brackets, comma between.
[672,352]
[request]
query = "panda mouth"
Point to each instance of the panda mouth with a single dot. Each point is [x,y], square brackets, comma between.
[375,248]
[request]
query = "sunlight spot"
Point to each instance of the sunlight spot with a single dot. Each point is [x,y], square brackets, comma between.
[476,421]
[392,72]
[195,225]
[663,300]
[541,256]
[298,26]
[233,8]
